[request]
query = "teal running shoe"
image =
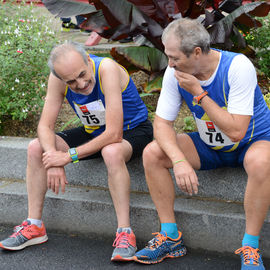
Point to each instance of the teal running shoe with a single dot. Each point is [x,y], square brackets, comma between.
[160,248]
[250,258]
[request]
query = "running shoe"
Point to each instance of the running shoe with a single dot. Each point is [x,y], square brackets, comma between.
[125,245]
[70,27]
[24,235]
[161,247]
[250,258]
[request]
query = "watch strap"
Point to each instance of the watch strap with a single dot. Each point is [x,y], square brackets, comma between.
[73,154]
[200,97]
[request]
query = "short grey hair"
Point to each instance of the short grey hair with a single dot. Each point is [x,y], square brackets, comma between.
[191,34]
[63,49]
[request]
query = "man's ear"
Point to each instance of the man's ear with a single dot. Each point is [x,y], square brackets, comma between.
[197,51]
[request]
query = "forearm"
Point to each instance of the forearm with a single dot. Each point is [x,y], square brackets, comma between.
[225,121]
[165,136]
[98,143]
[46,138]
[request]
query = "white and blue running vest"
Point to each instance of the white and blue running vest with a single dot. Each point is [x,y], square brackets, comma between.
[134,110]
[219,90]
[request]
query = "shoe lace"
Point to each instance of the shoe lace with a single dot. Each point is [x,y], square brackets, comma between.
[157,240]
[121,240]
[18,228]
[250,255]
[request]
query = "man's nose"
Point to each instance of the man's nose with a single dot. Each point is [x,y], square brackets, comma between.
[80,83]
[171,63]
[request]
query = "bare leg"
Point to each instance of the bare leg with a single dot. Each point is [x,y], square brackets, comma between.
[159,180]
[36,177]
[257,196]
[115,157]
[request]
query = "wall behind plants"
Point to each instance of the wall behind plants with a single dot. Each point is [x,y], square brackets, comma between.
[25,42]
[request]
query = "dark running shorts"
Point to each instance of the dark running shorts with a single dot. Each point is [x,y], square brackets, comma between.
[138,137]
[212,159]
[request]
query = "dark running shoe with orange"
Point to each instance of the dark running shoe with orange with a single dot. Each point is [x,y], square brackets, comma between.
[160,248]
[24,235]
[250,258]
[125,245]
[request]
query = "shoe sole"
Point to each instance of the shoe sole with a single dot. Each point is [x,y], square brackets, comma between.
[35,241]
[175,255]
[119,258]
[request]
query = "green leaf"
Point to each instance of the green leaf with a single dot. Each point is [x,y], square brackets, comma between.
[154,85]
[145,58]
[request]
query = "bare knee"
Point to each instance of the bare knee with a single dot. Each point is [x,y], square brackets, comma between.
[257,166]
[152,154]
[34,150]
[112,154]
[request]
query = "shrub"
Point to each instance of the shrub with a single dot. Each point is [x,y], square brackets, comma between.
[259,39]
[267,99]
[25,43]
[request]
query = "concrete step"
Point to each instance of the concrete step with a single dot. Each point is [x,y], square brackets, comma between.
[214,226]
[222,184]
[213,220]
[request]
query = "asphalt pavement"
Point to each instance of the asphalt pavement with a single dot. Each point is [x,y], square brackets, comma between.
[72,252]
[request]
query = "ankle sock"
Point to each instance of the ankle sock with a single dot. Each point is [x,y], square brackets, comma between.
[170,229]
[36,222]
[251,240]
[125,229]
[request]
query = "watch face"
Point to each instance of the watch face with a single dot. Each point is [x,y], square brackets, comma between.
[195,100]
[72,151]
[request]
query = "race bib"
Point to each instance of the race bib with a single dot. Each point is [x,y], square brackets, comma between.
[91,114]
[211,134]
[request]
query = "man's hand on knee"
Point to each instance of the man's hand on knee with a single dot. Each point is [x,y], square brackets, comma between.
[186,178]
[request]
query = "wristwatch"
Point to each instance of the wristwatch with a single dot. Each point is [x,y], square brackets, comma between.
[198,99]
[73,154]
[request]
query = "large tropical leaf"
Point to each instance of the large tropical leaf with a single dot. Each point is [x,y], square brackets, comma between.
[67,8]
[222,30]
[126,18]
[150,60]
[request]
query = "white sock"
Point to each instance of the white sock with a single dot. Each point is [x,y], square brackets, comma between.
[37,222]
[127,230]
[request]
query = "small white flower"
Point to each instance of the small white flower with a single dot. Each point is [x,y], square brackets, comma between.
[16,32]
[12,88]
[17,80]
[43,85]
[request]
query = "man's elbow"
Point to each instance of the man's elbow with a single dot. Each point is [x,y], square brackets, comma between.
[236,136]
[116,137]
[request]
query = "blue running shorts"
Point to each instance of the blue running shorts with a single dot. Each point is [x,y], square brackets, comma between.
[212,159]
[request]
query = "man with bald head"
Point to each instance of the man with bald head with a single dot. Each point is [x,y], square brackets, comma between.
[114,127]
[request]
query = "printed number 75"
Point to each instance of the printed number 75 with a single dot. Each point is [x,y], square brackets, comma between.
[92,118]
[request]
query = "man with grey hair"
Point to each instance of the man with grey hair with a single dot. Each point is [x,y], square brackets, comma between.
[221,90]
[115,126]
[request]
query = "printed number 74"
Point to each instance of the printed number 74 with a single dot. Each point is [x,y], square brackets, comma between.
[218,137]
